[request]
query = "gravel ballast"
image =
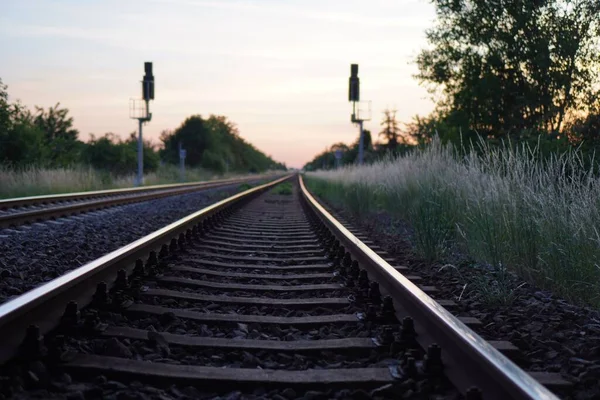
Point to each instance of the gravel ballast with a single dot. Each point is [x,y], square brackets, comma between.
[37,253]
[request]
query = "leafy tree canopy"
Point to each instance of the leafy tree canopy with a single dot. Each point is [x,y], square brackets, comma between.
[512,67]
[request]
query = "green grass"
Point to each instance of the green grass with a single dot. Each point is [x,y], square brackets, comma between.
[33,181]
[284,188]
[504,210]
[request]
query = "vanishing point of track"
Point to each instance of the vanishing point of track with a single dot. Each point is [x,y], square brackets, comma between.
[258,290]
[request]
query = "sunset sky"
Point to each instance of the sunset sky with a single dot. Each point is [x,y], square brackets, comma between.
[278,68]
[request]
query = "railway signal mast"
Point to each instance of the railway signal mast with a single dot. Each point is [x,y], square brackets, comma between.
[140,110]
[358,116]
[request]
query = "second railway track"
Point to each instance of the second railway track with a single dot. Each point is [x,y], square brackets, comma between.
[24,210]
[259,296]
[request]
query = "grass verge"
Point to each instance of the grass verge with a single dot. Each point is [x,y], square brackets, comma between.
[33,181]
[504,209]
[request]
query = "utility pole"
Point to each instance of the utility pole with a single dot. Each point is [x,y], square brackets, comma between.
[357,118]
[143,114]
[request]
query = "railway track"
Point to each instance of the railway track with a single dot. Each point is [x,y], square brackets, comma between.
[261,295]
[23,210]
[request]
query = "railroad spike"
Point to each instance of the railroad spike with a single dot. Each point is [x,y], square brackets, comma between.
[188,236]
[339,255]
[363,280]
[152,259]
[122,282]
[387,336]
[71,315]
[354,270]
[181,241]
[388,310]
[333,250]
[32,347]
[139,270]
[164,251]
[101,297]
[407,331]
[173,246]
[200,229]
[347,261]
[374,293]
[432,362]
[344,270]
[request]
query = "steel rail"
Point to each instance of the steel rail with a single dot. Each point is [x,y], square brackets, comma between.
[98,200]
[467,357]
[44,305]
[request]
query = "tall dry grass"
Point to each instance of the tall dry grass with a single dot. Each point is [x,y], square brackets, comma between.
[33,181]
[502,207]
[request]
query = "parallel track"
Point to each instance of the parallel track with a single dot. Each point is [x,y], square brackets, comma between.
[258,290]
[23,210]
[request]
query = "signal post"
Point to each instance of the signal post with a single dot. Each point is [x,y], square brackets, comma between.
[141,112]
[357,118]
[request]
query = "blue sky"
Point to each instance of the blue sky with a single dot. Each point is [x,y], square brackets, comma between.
[279,69]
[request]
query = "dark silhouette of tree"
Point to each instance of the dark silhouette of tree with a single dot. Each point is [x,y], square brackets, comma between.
[60,136]
[21,142]
[512,67]
[55,123]
[390,130]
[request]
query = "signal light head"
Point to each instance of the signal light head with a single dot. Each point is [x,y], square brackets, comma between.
[148,82]
[354,84]
[148,68]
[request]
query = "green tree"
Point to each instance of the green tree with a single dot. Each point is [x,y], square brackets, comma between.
[21,142]
[512,67]
[60,136]
[56,123]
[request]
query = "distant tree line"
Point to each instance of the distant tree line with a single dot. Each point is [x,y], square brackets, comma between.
[214,143]
[47,138]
